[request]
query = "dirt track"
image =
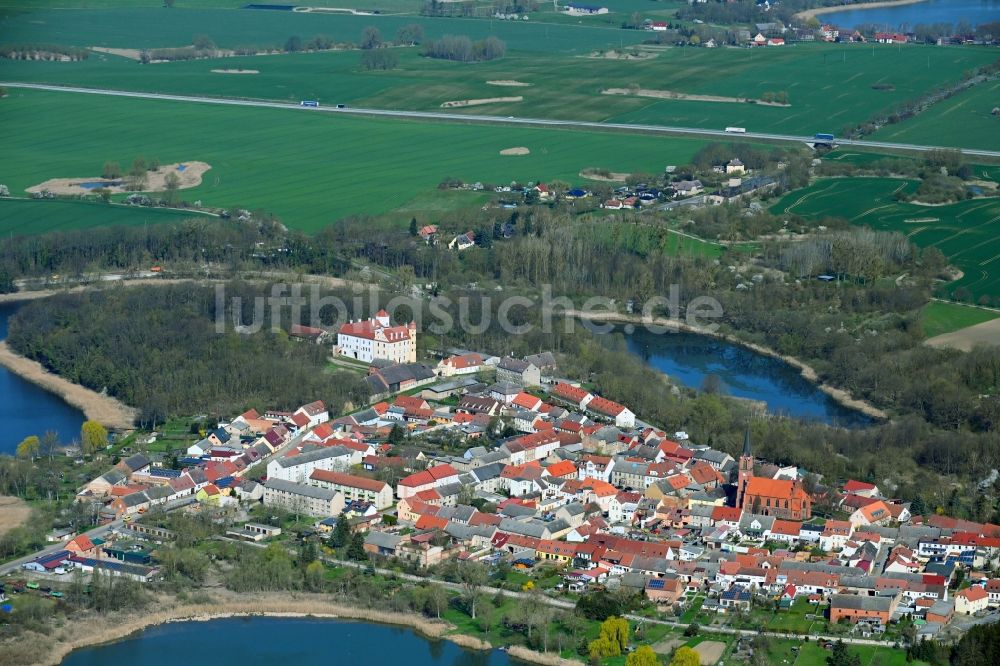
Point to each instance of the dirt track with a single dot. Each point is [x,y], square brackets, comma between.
[986,333]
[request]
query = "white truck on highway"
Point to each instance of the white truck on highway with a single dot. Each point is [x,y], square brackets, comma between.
[736,130]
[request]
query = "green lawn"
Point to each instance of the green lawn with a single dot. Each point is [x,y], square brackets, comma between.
[965,231]
[22,217]
[939,318]
[963,120]
[310,169]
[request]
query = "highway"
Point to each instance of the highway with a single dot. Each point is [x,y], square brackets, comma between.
[486,120]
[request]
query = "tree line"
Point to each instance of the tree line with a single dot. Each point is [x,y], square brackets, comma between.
[463,49]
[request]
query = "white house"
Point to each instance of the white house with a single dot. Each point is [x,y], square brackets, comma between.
[297,497]
[299,468]
[367,340]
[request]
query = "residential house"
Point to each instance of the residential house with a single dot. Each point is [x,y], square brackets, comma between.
[354,487]
[521,373]
[971,600]
[301,498]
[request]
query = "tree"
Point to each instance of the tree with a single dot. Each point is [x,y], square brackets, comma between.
[104,194]
[29,447]
[168,3]
[643,656]
[378,60]
[841,656]
[472,576]
[341,534]
[371,38]
[7,285]
[203,43]
[136,179]
[93,437]
[293,44]
[172,184]
[413,226]
[685,656]
[314,574]
[356,549]
[437,600]
[410,34]
[396,435]
[111,170]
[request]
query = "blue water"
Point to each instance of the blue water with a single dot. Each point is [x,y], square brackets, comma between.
[94,184]
[690,359]
[285,641]
[181,167]
[906,16]
[26,409]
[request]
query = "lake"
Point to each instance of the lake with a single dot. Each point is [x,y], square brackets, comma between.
[907,16]
[689,359]
[26,409]
[298,641]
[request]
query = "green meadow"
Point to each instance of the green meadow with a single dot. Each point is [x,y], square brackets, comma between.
[963,120]
[20,217]
[310,169]
[966,231]
[938,318]
[830,87]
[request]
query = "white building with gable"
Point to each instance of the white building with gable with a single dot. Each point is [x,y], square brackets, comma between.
[370,339]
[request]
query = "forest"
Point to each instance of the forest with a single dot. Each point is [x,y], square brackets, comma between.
[159,349]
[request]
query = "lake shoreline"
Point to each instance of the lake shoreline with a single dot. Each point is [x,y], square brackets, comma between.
[104,409]
[882,4]
[840,396]
[111,629]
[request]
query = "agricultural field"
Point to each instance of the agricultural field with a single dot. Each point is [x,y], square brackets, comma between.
[309,169]
[963,120]
[563,61]
[938,318]
[965,231]
[22,217]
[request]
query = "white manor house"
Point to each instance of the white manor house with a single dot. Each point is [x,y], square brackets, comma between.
[370,339]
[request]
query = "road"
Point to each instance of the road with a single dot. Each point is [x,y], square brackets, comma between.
[100,531]
[486,120]
[564,604]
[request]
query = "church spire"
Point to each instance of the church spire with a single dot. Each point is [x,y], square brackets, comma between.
[746,443]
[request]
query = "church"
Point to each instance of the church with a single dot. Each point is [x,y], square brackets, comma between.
[780,498]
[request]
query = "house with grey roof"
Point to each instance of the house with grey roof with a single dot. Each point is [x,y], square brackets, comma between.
[301,498]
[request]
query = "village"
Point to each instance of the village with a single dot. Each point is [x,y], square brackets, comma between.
[537,472]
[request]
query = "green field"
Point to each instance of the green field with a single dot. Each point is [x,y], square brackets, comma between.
[966,232]
[830,87]
[19,217]
[309,169]
[962,120]
[938,318]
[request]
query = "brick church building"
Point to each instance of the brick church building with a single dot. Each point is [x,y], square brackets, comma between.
[780,498]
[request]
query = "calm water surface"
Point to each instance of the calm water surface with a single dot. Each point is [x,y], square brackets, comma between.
[25,409]
[690,359]
[285,641]
[906,16]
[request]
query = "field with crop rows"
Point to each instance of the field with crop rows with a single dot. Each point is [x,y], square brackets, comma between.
[963,120]
[830,87]
[965,231]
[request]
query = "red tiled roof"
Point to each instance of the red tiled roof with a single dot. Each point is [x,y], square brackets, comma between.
[568,392]
[371,329]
